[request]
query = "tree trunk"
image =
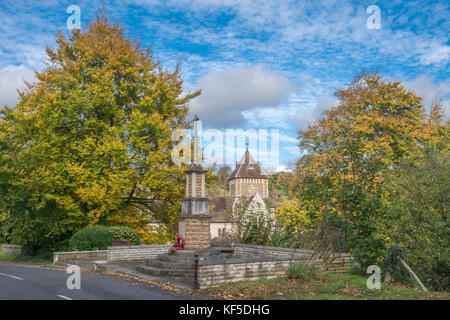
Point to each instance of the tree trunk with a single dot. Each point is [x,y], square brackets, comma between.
[413,274]
[387,278]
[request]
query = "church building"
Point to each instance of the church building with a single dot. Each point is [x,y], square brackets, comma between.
[247,181]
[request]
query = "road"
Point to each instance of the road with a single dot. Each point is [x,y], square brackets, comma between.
[27,282]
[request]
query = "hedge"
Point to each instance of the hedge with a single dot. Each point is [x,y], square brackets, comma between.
[100,237]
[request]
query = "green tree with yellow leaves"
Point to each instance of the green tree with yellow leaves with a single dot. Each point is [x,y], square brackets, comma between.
[418,205]
[89,142]
[349,152]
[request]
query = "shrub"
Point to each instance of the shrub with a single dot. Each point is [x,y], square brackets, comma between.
[92,238]
[393,266]
[4,237]
[100,237]
[303,272]
[40,256]
[125,233]
[5,229]
[254,224]
[283,239]
[417,216]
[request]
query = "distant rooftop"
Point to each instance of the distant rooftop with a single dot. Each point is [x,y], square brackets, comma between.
[248,168]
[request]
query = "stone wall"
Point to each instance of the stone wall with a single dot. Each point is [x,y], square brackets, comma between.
[248,250]
[234,271]
[215,274]
[340,262]
[119,253]
[11,249]
[247,187]
[63,257]
[141,252]
[255,262]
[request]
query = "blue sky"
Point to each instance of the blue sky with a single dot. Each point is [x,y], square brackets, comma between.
[260,64]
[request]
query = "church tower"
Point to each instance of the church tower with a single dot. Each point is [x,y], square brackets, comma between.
[248,178]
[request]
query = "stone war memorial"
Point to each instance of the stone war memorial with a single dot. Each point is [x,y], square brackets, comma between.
[194,221]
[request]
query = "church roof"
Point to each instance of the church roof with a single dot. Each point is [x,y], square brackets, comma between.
[221,207]
[248,168]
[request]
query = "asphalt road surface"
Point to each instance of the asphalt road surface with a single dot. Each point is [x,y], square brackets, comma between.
[26,282]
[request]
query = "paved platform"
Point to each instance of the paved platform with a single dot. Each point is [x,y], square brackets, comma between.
[129,268]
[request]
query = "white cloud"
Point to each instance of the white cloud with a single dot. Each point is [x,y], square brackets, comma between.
[282,168]
[427,88]
[224,96]
[288,165]
[277,116]
[11,79]
[436,55]
[311,111]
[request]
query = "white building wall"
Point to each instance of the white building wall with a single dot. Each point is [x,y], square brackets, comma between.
[218,228]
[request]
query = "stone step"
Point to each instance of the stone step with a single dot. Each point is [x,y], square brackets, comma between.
[163,272]
[176,257]
[170,264]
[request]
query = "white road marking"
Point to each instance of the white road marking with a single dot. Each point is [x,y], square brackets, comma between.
[63,297]
[7,275]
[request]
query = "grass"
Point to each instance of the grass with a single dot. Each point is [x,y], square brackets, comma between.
[305,284]
[303,272]
[5,257]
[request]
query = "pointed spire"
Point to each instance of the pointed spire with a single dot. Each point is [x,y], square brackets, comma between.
[197,145]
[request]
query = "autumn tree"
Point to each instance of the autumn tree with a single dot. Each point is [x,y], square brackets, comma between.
[217,180]
[419,201]
[348,153]
[280,184]
[418,213]
[89,142]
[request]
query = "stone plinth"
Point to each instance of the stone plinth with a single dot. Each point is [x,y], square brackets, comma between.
[195,231]
[195,206]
